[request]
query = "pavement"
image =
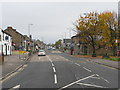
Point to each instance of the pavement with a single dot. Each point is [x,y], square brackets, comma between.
[59,71]
[109,63]
[11,63]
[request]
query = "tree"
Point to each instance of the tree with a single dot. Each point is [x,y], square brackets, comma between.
[109,29]
[58,43]
[88,31]
[98,29]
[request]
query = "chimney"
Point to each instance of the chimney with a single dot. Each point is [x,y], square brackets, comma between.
[9,28]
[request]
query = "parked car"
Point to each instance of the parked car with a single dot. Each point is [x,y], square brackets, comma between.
[41,53]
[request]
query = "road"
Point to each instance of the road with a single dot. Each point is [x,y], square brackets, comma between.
[59,70]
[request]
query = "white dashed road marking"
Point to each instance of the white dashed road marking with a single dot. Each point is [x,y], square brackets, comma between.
[54,70]
[52,65]
[49,59]
[77,64]
[87,69]
[55,78]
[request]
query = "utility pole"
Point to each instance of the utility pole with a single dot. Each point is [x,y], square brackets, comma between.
[29,35]
[29,29]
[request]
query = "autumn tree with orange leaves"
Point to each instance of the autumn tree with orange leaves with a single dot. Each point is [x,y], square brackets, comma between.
[97,29]
[109,27]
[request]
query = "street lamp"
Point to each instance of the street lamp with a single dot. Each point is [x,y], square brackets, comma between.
[29,29]
[29,35]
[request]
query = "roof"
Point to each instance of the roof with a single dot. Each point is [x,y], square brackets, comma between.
[5,32]
[13,30]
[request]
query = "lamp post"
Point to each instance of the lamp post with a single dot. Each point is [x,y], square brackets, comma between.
[29,35]
[29,29]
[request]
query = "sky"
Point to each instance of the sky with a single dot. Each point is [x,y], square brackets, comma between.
[51,20]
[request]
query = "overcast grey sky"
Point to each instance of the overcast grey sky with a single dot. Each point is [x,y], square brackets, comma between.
[51,19]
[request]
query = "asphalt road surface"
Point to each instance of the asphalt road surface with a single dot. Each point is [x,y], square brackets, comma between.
[60,71]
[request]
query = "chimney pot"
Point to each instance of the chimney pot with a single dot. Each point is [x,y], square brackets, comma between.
[10,28]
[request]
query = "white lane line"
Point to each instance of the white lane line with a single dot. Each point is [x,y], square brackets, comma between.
[52,65]
[77,64]
[103,78]
[54,70]
[95,77]
[55,78]
[76,82]
[87,69]
[91,85]
[49,59]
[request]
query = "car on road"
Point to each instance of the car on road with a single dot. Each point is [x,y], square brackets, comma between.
[53,48]
[49,48]
[41,53]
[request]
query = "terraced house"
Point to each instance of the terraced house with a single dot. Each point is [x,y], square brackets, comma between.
[17,38]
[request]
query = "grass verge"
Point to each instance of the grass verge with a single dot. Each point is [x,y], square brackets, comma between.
[113,59]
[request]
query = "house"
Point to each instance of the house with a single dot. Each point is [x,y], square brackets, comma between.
[66,42]
[17,38]
[39,44]
[80,47]
[5,43]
